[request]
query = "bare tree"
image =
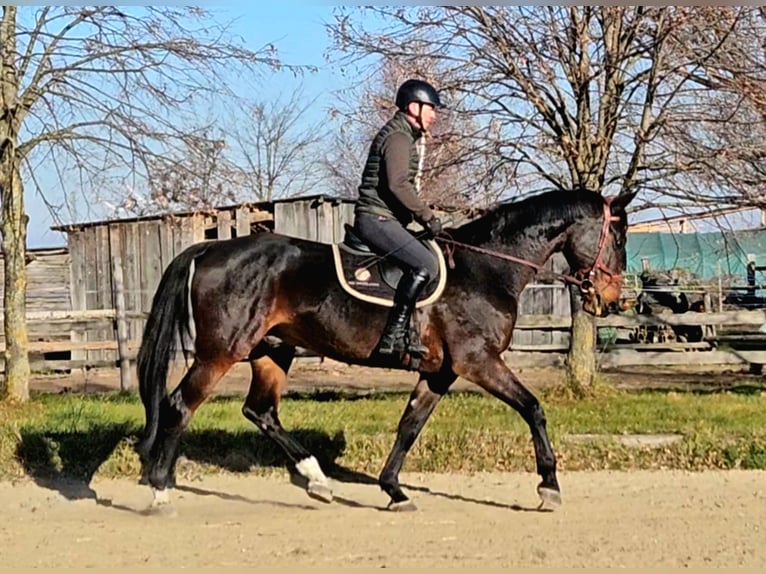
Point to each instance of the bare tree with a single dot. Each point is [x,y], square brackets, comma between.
[258,152]
[725,139]
[276,147]
[197,177]
[92,93]
[579,96]
[274,156]
[201,179]
[357,114]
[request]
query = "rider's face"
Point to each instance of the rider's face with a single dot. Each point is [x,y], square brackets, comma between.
[428,116]
[427,113]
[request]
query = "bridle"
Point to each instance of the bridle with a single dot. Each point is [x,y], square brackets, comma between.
[583,278]
[585,275]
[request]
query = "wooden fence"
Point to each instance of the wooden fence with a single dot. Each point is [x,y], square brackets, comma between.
[743,345]
[732,337]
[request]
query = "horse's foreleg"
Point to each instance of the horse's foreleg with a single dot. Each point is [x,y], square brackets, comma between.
[548,489]
[497,379]
[175,414]
[423,400]
[261,406]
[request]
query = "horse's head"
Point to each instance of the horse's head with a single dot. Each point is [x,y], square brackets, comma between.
[595,250]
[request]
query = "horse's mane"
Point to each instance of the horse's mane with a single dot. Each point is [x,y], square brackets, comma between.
[556,205]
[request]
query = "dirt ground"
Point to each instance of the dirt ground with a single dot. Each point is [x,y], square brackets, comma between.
[634,519]
[631,519]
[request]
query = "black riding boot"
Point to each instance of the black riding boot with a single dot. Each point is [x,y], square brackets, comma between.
[398,336]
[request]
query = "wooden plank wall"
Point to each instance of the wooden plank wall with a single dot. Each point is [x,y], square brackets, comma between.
[130,254]
[315,219]
[144,249]
[48,289]
[294,219]
[344,213]
[544,299]
[47,284]
[77,300]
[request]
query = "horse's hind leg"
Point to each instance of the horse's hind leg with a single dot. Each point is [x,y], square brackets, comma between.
[261,405]
[423,400]
[175,414]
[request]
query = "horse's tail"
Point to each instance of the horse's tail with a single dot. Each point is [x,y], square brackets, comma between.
[169,322]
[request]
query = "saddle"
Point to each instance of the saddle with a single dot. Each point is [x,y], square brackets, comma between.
[364,276]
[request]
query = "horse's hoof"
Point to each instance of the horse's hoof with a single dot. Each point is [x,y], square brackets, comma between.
[550,498]
[402,506]
[319,491]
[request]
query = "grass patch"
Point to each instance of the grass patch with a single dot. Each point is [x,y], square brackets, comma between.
[84,436]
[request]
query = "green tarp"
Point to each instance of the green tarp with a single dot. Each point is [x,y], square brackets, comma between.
[705,255]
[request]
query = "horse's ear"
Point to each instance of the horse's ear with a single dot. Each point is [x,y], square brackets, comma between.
[621,201]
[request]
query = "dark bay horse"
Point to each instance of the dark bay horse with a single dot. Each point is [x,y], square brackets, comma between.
[259,297]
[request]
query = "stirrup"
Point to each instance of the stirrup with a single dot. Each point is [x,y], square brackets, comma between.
[414,346]
[418,351]
[401,345]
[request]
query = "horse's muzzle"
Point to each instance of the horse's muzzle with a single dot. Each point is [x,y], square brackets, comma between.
[590,298]
[593,303]
[601,293]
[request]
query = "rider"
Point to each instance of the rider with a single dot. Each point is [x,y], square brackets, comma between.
[388,202]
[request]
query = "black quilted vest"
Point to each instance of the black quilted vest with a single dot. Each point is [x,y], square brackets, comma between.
[374,194]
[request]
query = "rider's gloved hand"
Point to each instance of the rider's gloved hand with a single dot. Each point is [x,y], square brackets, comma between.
[433,227]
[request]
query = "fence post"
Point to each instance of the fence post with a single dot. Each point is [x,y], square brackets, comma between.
[121,323]
[708,331]
[720,287]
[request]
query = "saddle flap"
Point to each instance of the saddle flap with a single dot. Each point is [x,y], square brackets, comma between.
[376,281]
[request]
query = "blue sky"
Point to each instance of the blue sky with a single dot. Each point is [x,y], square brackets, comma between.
[298,31]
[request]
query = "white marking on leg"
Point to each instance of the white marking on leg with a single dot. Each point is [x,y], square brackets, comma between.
[309,468]
[161,497]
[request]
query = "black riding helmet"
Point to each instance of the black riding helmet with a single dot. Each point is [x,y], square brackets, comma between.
[417,91]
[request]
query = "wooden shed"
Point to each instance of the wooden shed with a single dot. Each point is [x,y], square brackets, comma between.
[125,258]
[47,293]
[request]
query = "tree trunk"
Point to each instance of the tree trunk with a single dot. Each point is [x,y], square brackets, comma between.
[581,361]
[15,384]
[14,227]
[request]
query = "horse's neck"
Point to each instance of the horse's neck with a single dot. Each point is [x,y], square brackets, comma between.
[538,252]
[538,239]
[534,243]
